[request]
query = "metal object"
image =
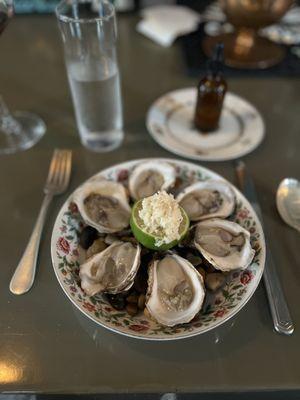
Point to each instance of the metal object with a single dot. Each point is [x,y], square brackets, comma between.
[288,202]
[244,48]
[277,302]
[57,182]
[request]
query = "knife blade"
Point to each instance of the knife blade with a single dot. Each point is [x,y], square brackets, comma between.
[277,302]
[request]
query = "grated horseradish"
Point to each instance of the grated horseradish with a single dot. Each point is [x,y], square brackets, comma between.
[161,217]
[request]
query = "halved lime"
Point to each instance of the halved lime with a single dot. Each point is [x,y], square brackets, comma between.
[148,240]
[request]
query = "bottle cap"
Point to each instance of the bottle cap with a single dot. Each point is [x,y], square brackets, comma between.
[215,64]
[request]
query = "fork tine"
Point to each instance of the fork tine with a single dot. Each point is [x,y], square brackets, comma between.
[59,172]
[62,169]
[68,168]
[52,167]
[58,169]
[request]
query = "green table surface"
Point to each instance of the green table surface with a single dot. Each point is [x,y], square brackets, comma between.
[48,346]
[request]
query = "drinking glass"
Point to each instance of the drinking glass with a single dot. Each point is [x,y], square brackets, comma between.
[88,31]
[20,130]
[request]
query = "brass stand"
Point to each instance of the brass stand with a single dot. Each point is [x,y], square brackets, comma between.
[245,49]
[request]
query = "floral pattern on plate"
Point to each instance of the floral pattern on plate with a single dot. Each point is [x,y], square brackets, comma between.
[218,307]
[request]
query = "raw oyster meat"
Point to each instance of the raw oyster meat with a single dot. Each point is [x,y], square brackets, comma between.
[112,271]
[150,177]
[103,205]
[207,199]
[175,290]
[225,244]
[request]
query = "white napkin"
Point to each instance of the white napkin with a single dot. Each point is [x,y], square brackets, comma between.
[164,24]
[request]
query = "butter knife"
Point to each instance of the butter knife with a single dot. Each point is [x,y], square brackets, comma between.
[278,306]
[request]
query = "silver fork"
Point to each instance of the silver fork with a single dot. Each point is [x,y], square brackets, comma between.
[57,182]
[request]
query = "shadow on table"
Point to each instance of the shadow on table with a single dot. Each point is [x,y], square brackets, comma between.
[221,341]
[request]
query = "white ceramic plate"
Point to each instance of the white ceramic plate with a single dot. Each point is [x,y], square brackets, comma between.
[169,121]
[218,308]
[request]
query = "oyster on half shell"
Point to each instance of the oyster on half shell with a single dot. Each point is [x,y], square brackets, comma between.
[225,244]
[175,290]
[207,199]
[112,271]
[150,177]
[103,205]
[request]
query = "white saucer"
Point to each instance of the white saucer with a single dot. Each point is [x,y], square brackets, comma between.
[170,122]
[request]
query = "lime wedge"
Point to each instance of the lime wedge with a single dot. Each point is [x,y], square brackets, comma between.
[147,239]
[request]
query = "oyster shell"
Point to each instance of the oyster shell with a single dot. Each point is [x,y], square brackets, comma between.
[175,290]
[225,244]
[149,177]
[112,271]
[103,205]
[207,199]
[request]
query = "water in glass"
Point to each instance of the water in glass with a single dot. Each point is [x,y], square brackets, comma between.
[97,101]
[89,35]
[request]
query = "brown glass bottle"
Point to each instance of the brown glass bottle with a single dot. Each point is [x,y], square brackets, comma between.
[211,91]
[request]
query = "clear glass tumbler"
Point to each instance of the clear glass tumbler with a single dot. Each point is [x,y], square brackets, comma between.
[88,31]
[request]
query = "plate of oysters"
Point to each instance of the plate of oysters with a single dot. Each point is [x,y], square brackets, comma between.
[158,249]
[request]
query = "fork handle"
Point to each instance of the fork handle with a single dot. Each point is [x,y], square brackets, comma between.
[23,277]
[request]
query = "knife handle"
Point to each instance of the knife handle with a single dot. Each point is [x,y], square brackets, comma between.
[282,320]
[280,313]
